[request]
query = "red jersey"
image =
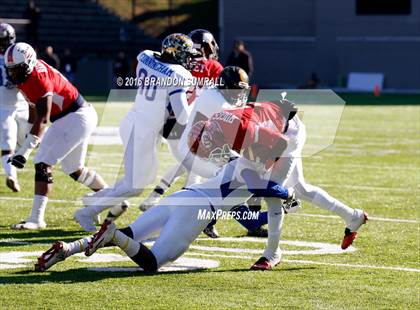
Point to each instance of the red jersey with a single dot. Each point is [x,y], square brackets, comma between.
[44,81]
[256,130]
[207,68]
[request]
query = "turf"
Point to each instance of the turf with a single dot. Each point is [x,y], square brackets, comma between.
[373,164]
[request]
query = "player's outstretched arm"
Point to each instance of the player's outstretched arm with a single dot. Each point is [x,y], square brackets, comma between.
[263,188]
[43,110]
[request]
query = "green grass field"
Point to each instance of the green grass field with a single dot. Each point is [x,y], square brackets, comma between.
[373,164]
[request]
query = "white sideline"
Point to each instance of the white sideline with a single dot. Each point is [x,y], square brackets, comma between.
[381,219]
[310,262]
[374,218]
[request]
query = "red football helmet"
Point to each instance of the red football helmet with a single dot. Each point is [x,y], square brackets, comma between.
[204,137]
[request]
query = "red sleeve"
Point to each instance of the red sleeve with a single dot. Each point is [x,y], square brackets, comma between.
[216,69]
[37,87]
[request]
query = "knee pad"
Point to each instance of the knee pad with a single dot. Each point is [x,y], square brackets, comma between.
[43,173]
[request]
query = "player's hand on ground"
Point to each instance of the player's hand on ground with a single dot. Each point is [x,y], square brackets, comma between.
[18,161]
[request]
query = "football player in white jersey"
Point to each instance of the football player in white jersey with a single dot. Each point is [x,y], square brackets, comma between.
[289,171]
[205,67]
[160,109]
[14,112]
[177,217]
[211,101]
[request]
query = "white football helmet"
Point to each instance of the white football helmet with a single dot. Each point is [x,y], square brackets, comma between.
[20,60]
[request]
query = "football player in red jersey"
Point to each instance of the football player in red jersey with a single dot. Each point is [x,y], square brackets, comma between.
[207,65]
[54,99]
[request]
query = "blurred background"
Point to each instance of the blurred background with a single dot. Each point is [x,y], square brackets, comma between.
[360,48]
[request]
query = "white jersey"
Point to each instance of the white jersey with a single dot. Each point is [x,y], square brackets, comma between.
[228,188]
[159,87]
[10,97]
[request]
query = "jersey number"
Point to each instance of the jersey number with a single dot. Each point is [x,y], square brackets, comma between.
[149,91]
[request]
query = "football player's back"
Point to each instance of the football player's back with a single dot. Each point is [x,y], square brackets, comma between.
[157,80]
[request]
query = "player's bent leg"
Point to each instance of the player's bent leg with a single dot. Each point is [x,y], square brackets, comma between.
[253,226]
[272,254]
[137,251]
[8,141]
[146,224]
[140,167]
[90,178]
[182,228]
[354,218]
[95,182]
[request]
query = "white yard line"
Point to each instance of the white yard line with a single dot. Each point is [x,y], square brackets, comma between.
[371,188]
[310,262]
[381,219]
[374,218]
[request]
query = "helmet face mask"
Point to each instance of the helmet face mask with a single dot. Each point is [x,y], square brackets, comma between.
[7,36]
[178,48]
[237,97]
[234,85]
[20,60]
[204,42]
[18,73]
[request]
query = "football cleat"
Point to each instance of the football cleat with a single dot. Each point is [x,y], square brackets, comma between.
[152,200]
[86,219]
[260,232]
[29,225]
[13,184]
[211,232]
[102,237]
[350,233]
[52,256]
[265,264]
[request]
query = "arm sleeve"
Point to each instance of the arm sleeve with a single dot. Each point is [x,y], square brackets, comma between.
[179,104]
[263,188]
[42,87]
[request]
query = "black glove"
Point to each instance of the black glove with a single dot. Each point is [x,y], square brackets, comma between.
[18,161]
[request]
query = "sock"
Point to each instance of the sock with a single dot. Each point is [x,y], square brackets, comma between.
[323,200]
[38,209]
[125,243]
[251,224]
[275,222]
[9,169]
[78,246]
